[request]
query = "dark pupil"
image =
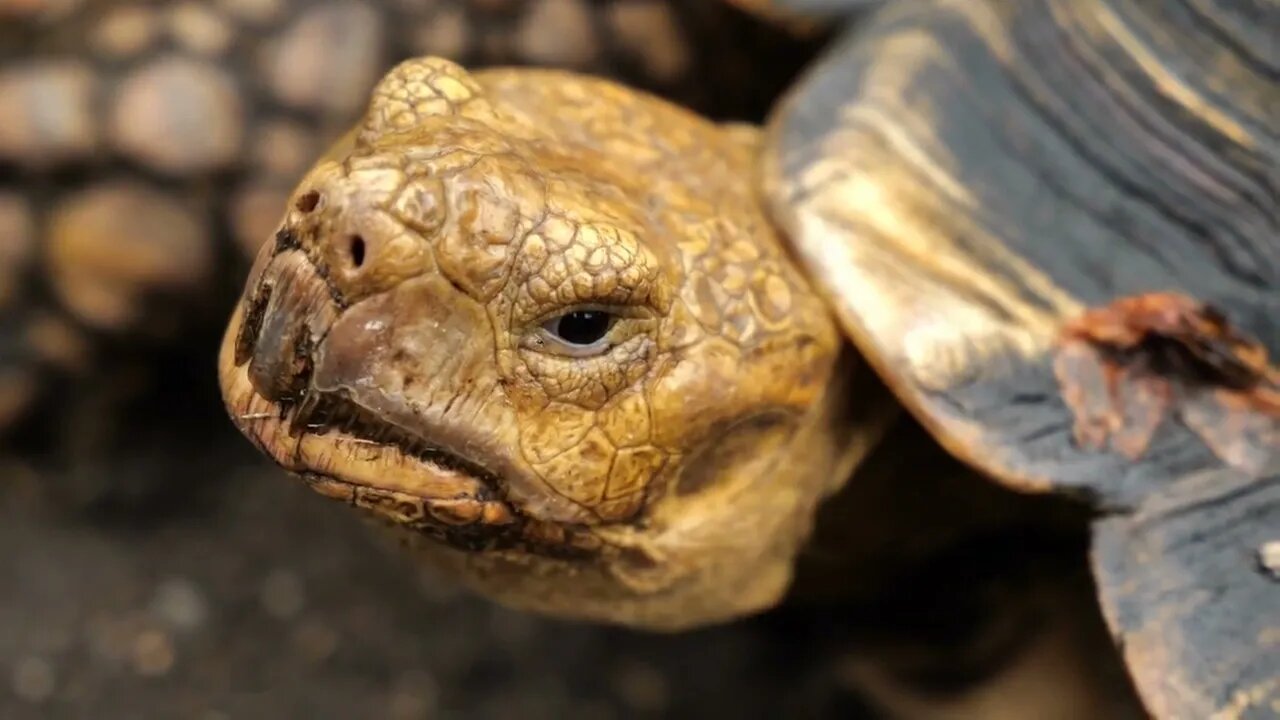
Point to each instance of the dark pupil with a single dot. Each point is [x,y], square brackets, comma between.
[583,327]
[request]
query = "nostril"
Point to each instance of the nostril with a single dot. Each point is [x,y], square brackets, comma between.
[308,201]
[357,250]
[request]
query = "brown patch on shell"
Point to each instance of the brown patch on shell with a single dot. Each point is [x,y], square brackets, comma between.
[1124,367]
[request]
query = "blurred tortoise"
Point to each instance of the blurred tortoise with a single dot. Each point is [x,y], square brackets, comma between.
[147,148]
[605,359]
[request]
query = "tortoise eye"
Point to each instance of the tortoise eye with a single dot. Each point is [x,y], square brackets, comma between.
[581,329]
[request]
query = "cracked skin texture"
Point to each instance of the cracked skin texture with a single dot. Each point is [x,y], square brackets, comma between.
[664,477]
[995,233]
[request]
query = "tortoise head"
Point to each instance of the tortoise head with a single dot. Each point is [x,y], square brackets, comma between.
[567,355]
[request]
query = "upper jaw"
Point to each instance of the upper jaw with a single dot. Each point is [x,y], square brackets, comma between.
[316,434]
[424,489]
[367,450]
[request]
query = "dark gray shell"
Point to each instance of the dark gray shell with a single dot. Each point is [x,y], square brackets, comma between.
[1054,228]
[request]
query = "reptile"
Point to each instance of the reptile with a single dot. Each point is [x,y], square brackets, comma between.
[146,150]
[993,275]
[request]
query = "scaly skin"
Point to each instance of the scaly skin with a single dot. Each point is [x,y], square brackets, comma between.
[663,477]
[397,347]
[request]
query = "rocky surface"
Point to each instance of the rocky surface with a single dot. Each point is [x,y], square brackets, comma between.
[257,599]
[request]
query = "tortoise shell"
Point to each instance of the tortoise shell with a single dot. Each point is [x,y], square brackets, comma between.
[1054,229]
[542,325]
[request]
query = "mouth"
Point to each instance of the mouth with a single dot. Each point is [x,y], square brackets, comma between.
[349,453]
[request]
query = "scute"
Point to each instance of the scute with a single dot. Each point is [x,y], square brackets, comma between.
[1200,629]
[958,214]
[1033,216]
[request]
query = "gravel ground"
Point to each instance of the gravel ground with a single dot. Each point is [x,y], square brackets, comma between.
[261,600]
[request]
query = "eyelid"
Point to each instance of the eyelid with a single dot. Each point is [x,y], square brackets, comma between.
[623,312]
[542,340]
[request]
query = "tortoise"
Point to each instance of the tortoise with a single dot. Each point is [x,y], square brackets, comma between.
[994,275]
[145,151]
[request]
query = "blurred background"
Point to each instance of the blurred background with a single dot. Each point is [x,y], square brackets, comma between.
[154,565]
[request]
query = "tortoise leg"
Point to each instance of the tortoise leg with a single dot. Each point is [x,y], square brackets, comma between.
[1189,584]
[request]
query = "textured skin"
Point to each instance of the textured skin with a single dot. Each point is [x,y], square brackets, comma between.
[146,151]
[472,200]
[389,346]
[965,179]
[389,349]
[147,147]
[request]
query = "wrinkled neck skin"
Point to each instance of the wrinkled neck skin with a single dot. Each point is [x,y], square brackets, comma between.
[540,325]
[733,557]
